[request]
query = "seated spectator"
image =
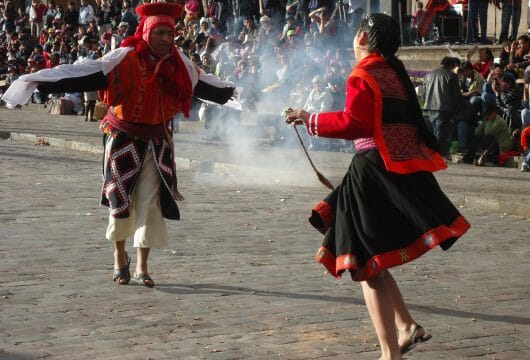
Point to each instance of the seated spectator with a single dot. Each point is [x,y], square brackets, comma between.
[65,55]
[320,99]
[54,60]
[204,27]
[509,100]
[92,30]
[495,74]
[249,28]
[493,137]
[484,62]
[290,24]
[488,96]
[471,82]
[518,52]
[291,44]
[44,36]
[118,35]
[36,60]
[504,56]
[24,52]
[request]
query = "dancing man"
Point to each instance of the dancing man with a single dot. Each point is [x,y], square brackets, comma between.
[389,208]
[144,83]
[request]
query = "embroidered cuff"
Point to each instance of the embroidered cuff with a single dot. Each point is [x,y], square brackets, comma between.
[312,124]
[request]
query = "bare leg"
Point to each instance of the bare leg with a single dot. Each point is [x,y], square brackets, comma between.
[86,111]
[378,297]
[403,320]
[141,262]
[120,259]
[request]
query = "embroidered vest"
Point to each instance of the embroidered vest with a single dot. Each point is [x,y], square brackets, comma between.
[130,98]
[395,130]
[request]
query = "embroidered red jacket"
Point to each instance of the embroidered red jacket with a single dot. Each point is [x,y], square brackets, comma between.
[377,106]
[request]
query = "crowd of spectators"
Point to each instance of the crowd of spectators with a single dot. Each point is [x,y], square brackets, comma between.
[267,49]
[273,51]
[481,107]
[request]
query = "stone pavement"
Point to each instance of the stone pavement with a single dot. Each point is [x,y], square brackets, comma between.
[238,280]
[494,189]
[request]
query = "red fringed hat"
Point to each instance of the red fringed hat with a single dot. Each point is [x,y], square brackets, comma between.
[156,14]
[159,8]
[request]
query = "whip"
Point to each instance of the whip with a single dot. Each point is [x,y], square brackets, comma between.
[320,177]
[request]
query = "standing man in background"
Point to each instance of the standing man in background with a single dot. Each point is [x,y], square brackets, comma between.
[356,11]
[511,9]
[478,10]
[275,9]
[36,17]
[86,13]
[443,100]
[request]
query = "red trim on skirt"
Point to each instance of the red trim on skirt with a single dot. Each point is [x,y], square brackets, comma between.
[378,263]
[324,212]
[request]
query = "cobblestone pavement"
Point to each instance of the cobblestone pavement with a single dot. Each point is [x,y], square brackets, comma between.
[237,281]
[492,189]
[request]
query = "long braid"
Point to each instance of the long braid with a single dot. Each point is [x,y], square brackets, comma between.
[426,135]
[383,35]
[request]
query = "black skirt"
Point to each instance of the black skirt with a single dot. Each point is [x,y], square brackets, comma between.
[376,219]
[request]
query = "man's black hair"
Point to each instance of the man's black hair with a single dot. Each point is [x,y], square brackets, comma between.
[449,61]
[466,65]
[490,108]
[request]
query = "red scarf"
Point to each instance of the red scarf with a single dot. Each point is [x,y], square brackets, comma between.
[170,70]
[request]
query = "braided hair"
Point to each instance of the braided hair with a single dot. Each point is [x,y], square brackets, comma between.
[384,37]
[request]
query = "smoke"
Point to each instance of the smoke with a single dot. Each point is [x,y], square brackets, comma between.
[272,75]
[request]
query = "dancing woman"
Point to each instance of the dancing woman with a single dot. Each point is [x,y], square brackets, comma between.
[389,208]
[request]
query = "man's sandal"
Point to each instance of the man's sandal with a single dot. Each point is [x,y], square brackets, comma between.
[123,273]
[415,339]
[144,279]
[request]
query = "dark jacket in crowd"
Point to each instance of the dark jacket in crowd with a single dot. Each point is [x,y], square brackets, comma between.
[71,17]
[246,8]
[442,91]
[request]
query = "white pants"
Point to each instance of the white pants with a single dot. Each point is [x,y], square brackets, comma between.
[145,223]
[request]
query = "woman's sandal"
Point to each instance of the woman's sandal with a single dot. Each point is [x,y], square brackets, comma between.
[415,339]
[144,279]
[123,273]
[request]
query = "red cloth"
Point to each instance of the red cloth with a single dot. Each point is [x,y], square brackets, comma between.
[524,138]
[431,9]
[503,157]
[483,68]
[179,86]
[362,117]
[355,121]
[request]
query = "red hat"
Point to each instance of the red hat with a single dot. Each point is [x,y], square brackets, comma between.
[153,9]
[156,14]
